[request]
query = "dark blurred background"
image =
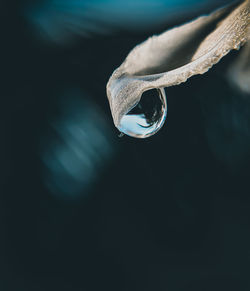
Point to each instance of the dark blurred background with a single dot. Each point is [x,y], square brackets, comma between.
[81,208]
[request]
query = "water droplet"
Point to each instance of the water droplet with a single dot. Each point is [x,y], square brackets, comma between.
[147,117]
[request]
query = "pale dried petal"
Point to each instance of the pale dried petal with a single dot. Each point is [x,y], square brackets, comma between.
[176,55]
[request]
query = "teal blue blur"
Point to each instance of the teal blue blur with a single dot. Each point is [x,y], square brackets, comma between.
[76,148]
[58,20]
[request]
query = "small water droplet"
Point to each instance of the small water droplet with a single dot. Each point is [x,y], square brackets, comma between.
[147,117]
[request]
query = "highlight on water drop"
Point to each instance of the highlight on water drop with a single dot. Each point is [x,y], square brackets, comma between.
[146,117]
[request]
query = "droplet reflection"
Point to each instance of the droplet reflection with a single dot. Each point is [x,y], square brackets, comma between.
[147,117]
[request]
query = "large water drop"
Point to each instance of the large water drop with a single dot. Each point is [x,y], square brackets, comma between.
[147,117]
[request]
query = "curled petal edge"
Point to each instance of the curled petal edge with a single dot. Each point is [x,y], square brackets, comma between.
[174,56]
